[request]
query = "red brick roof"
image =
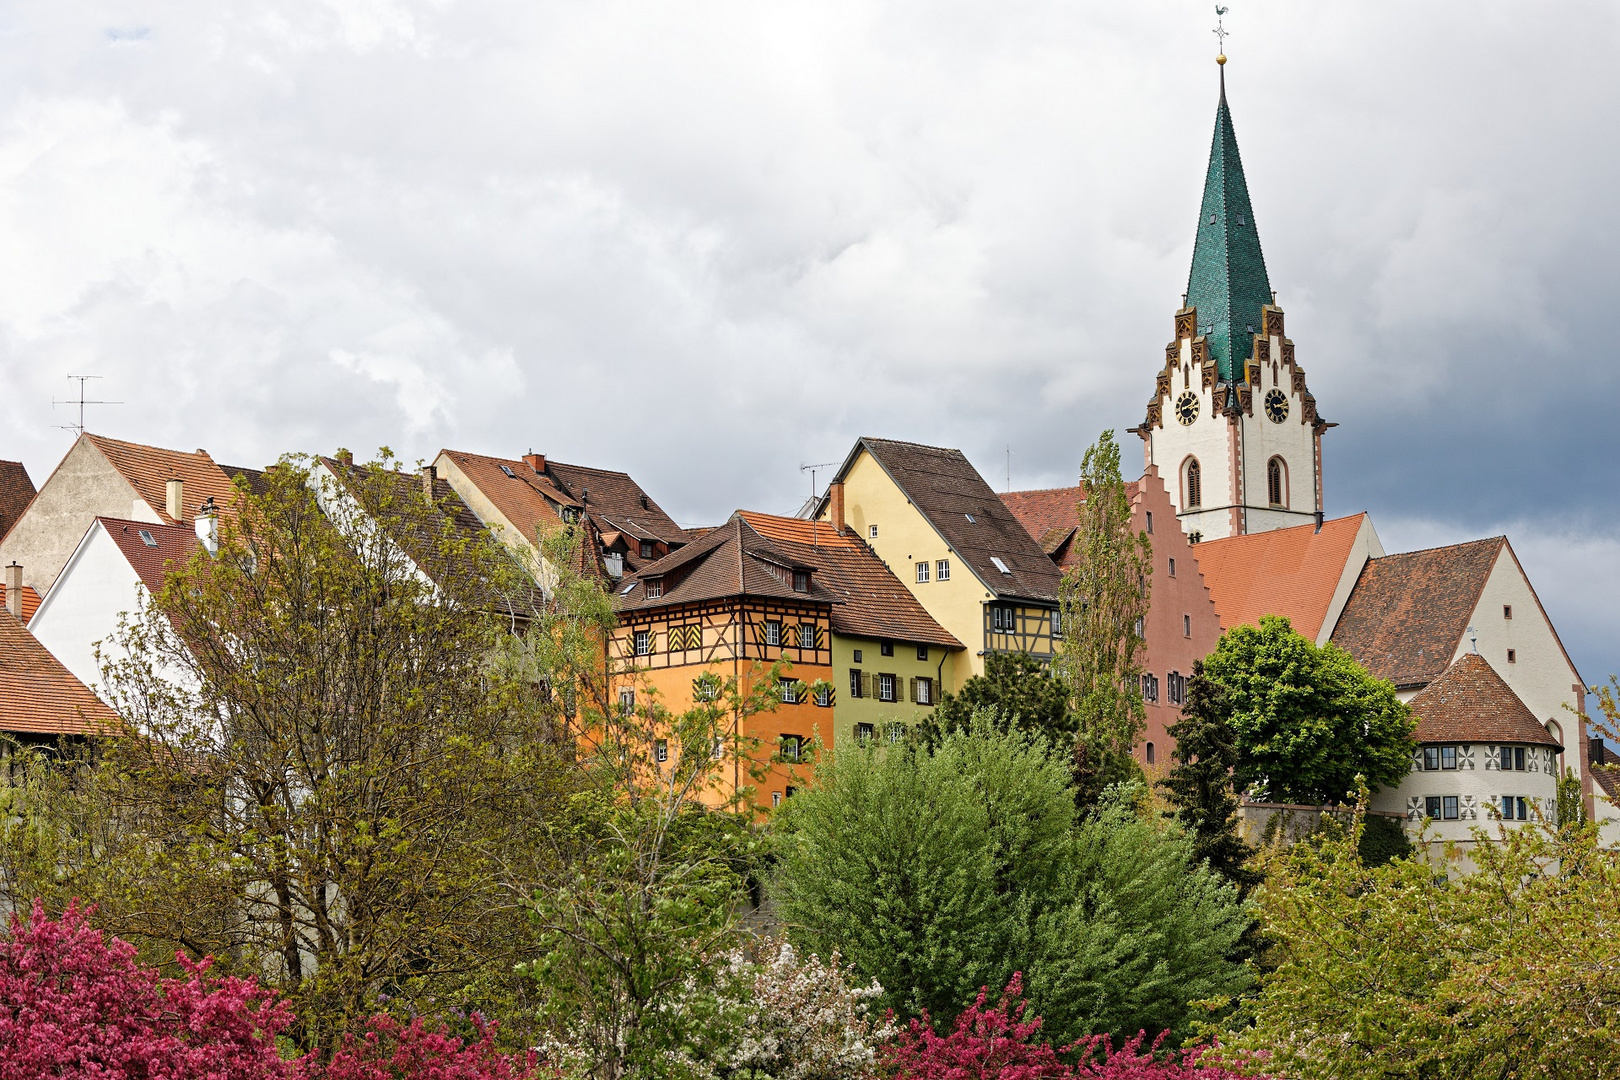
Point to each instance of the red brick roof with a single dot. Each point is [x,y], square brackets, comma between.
[38,696]
[1406,617]
[1292,572]
[16,492]
[1469,702]
[30,601]
[876,604]
[171,547]
[150,468]
[1052,516]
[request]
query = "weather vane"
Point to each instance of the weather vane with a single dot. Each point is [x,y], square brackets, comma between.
[1220,33]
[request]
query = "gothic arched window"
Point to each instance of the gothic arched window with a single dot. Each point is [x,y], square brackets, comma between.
[1192,484]
[1277,482]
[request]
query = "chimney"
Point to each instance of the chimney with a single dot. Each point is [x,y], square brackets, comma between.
[1319,521]
[835,504]
[14,589]
[175,500]
[208,526]
[1594,746]
[430,473]
[535,461]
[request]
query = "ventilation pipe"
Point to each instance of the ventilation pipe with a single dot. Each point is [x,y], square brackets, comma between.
[175,499]
[208,526]
[14,589]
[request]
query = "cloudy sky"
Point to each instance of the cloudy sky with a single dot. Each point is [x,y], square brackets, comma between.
[709,242]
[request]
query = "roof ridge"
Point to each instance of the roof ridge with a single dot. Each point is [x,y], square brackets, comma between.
[1502,539]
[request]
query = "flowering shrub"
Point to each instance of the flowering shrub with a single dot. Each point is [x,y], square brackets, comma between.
[999,1044]
[391,1050]
[75,1005]
[802,1020]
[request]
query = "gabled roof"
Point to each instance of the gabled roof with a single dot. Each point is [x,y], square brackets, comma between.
[1469,702]
[30,601]
[733,560]
[38,696]
[947,490]
[1606,769]
[524,497]
[1408,612]
[150,468]
[1293,572]
[16,492]
[171,547]
[616,502]
[1052,516]
[1228,282]
[875,603]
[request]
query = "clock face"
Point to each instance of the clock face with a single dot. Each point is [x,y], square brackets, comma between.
[1277,406]
[1187,407]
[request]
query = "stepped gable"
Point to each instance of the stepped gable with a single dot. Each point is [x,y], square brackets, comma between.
[1052,516]
[732,560]
[16,492]
[1469,702]
[1292,572]
[38,696]
[150,468]
[945,487]
[875,603]
[1408,612]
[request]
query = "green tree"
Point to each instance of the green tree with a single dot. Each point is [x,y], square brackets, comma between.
[1017,688]
[1200,786]
[937,874]
[1308,720]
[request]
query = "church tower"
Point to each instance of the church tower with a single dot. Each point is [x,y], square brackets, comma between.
[1231,426]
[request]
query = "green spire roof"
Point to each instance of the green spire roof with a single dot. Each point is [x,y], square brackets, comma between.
[1228,283]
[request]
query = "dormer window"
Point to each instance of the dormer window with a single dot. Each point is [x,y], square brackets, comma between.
[646,549]
[655,588]
[801,581]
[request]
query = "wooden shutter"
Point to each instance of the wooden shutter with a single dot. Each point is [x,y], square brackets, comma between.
[914,689]
[866,685]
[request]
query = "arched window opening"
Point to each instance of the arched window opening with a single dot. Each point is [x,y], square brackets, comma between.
[1150,753]
[1277,482]
[1192,485]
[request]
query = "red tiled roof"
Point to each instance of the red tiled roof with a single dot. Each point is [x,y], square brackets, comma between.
[150,468]
[1292,572]
[1407,614]
[171,547]
[38,696]
[876,604]
[1052,515]
[30,601]
[1469,702]
[16,492]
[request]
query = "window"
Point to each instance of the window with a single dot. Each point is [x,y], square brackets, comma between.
[809,636]
[776,798]
[1431,760]
[643,642]
[1141,627]
[1518,759]
[801,581]
[627,702]
[147,538]
[661,750]
[1172,568]
[792,747]
[872,532]
[942,570]
[706,687]
[894,732]
[1057,623]
[1176,685]
[1513,657]
[790,691]
[1277,482]
[791,791]
[1150,529]
[922,691]
[1522,805]
[855,683]
[1150,753]
[922,573]
[1150,688]
[1186,626]
[1448,757]
[922,652]
[886,648]
[886,687]
[717,748]
[655,588]
[857,656]
[626,590]
[507,469]
[864,732]
[1431,807]
[1448,807]
[1192,485]
[971,519]
[1507,611]
[999,564]
[773,632]
[824,696]
[646,549]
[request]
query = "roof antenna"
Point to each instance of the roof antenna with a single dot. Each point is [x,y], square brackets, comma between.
[811,469]
[1009,467]
[81,403]
[1473,638]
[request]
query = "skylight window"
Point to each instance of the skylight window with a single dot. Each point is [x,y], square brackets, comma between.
[507,469]
[971,518]
[147,538]
[999,564]
[626,590]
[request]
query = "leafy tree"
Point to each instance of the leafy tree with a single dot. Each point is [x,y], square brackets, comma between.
[1020,690]
[1307,719]
[1105,596]
[1440,969]
[937,874]
[388,1049]
[1200,783]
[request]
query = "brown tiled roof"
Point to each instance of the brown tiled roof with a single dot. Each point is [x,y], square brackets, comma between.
[733,560]
[38,696]
[947,489]
[1407,614]
[16,492]
[171,547]
[876,604]
[150,468]
[1606,770]
[616,503]
[1292,572]
[1052,516]
[30,601]
[1469,702]
[525,498]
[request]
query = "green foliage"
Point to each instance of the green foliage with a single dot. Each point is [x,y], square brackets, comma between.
[1571,803]
[1017,688]
[937,874]
[1307,720]
[1105,595]
[1200,783]
[1383,839]
[1412,968]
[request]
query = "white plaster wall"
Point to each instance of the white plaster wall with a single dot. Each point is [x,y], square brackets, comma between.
[1292,440]
[1479,786]
[1607,815]
[83,607]
[1208,439]
[1366,546]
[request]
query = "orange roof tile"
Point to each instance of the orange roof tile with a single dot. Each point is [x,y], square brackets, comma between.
[170,548]
[150,468]
[1051,515]
[1469,702]
[1291,572]
[30,601]
[38,696]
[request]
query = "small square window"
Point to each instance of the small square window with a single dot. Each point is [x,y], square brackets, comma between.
[1186,626]
[661,750]
[646,549]
[1448,807]
[1431,806]
[871,531]
[1448,757]
[1507,611]
[824,697]
[801,581]
[1431,760]
[886,648]
[1150,521]
[791,791]
[864,732]
[1172,568]
[147,538]
[922,652]
[1513,657]
[790,691]
[922,573]
[857,656]
[942,570]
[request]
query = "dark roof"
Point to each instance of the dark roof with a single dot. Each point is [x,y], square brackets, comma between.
[253,478]
[1052,517]
[38,696]
[730,561]
[1228,282]
[171,547]
[876,604]
[1606,769]
[616,503]
[1406,617]
[1469,702]
[945,487]
[16,492]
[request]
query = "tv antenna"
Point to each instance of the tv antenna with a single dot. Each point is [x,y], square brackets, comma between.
[81,402]
[812,470]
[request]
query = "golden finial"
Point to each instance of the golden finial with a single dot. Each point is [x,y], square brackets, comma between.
[1220,36]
